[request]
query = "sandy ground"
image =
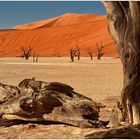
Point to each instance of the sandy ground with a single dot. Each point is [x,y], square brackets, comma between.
[99,80]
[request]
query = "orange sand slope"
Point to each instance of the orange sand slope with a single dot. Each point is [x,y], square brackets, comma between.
[56,36]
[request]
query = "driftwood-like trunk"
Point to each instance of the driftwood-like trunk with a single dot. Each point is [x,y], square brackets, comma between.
[42,101]
[129,132]
[124,26]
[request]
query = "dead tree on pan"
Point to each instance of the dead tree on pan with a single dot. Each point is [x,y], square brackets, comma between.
[72,54]
[35,57]
[99,51]
[26,52]
[90,53]
[78,52]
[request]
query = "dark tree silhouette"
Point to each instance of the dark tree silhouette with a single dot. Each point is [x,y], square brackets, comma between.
[99,51]
[58,54]
[26,52]
[35,57]
[124,26]
[72,54]
[78,52]
[90,52]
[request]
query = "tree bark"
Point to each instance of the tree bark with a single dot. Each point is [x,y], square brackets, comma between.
[124,26]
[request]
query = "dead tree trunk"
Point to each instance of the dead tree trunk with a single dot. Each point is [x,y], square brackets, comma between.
[124,26]
[90,53]
[33,57]
[78,52]
[99,51]
[26,52]
[37,58]
[72,54]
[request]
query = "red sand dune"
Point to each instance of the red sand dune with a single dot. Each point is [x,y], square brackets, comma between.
[56,36]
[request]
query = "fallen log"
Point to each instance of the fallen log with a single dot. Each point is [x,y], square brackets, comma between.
[56,102]
[129,132]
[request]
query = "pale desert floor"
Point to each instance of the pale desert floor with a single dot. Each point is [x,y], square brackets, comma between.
[100,80]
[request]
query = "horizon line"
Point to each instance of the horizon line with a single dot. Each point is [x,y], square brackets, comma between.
[24,23]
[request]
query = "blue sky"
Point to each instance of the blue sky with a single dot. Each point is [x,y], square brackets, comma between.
[13,13]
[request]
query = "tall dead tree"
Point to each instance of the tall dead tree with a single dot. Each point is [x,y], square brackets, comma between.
[35,57]
[124,26]
[26,52]
[99,51]
[78,52]
[90,53]
[72,54]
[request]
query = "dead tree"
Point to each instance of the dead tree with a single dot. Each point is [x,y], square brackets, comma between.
[78,52]
[26,52]
[90,53]
[99,51]
[72,54]
[35,57]
[124,26]
[58,54]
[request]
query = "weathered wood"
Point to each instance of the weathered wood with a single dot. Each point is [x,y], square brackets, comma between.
[56,102]
[116,116]
[130,132]
[124,26]
[7,92]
